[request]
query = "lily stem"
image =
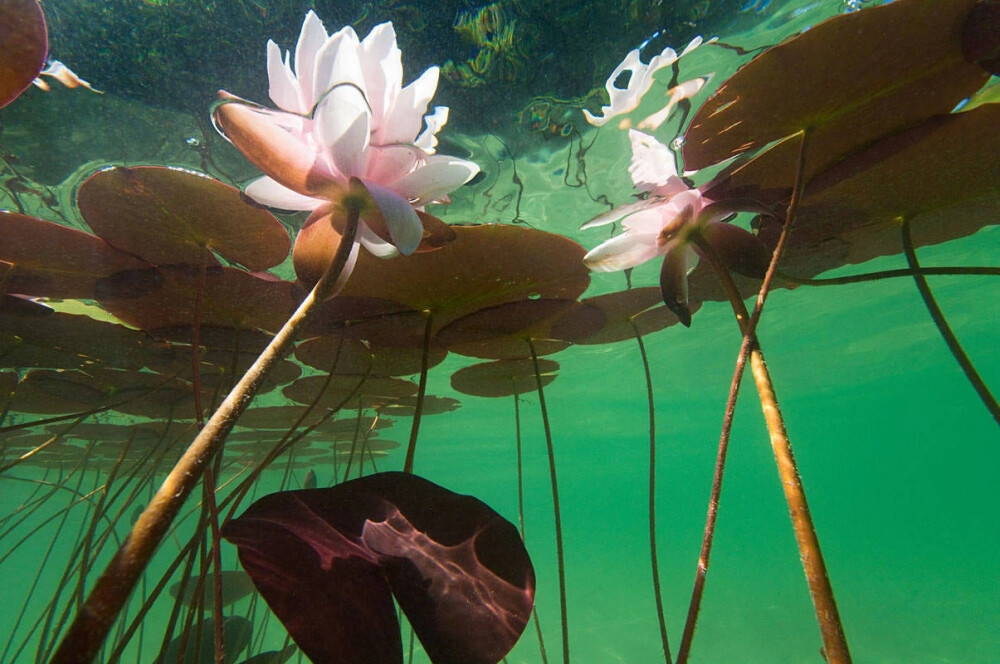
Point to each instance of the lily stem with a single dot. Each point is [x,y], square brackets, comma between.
[560,559]
[831,629]
[654,558]
[94,620]
[942,325]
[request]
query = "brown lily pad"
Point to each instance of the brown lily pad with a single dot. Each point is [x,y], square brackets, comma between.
[49,260]
[24,45]
[609,318]
[503,332]
[484,266]
[306,390]
[61,334]
[849,80]
[503,378]
[942,176]
[351,356]
[168,297]
[173,216]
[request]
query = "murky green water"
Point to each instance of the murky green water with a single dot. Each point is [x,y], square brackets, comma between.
[899,458]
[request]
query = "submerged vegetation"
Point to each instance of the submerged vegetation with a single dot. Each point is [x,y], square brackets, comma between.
[191,371]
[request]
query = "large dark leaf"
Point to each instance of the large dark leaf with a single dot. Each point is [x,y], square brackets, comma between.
[849,80]
[169,215]
[329,561]
[24,43]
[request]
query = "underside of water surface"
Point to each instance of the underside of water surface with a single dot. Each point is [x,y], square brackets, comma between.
[502,445]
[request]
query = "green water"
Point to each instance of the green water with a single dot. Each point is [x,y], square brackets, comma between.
[899,458]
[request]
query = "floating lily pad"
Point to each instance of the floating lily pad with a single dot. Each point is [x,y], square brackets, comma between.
[305,390]
[351,356]
[485,266]
[431,405]
[329,563]
[172,216]
[169,297]
[503,378]
[850,80]
[24,45]
[89,340]
[503,332]
[50,260]
[942,176]
[608,318]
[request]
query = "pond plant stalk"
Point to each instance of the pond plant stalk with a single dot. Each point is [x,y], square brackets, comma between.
[835,649]
[94,620]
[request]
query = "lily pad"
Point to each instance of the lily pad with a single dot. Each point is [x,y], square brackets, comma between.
[330,561]
[484,266]
[942,176]
[167,297]
[503,378]
[849,80]
[503,332]
[50,260]
[351,356]
[608,318]
[173,216]
[24,45]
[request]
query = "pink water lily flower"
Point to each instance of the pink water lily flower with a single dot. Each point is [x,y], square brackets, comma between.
[344,114]
[675,221]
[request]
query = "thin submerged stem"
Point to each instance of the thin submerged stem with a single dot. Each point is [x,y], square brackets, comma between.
[418,408]
[914,271]
[941,322]
[85,636]
[654,559]
[555,504]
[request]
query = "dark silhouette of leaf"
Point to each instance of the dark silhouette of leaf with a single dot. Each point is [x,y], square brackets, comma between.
[24,44]
[330,561]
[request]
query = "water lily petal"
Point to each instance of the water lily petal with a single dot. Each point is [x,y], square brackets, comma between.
[312,37]
[399,218]
[283,87]
[439,176]
[654,165]
[403,120]
[342,126]
[390,163]
[272,149]
[267,192]
[375,245]
[338,63]
[678,263]
[622,252]
[382,68]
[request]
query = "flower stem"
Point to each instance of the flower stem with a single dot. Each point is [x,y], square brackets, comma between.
[914,271]
[654,558]
[555,505]
[92,623]
[834,641]
[942,325]
[418,408]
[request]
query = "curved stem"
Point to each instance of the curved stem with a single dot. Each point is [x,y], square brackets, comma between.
[915,271]
[418,407]
[653,557]
[555,504]
[834,641]
[110,593]
[942,325]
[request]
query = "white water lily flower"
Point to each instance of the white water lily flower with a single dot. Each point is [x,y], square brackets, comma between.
[345,114]
[625,100]
[676,222]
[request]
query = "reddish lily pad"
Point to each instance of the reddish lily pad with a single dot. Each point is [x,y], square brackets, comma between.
[609,318]
[168,297]
[484,267]
[173,216]
[24,45]
[330,561]
[49,260]
[351,356]
[849,80]
[503,378]
[942,176]
[503,332]
[306,390]
[981,36]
